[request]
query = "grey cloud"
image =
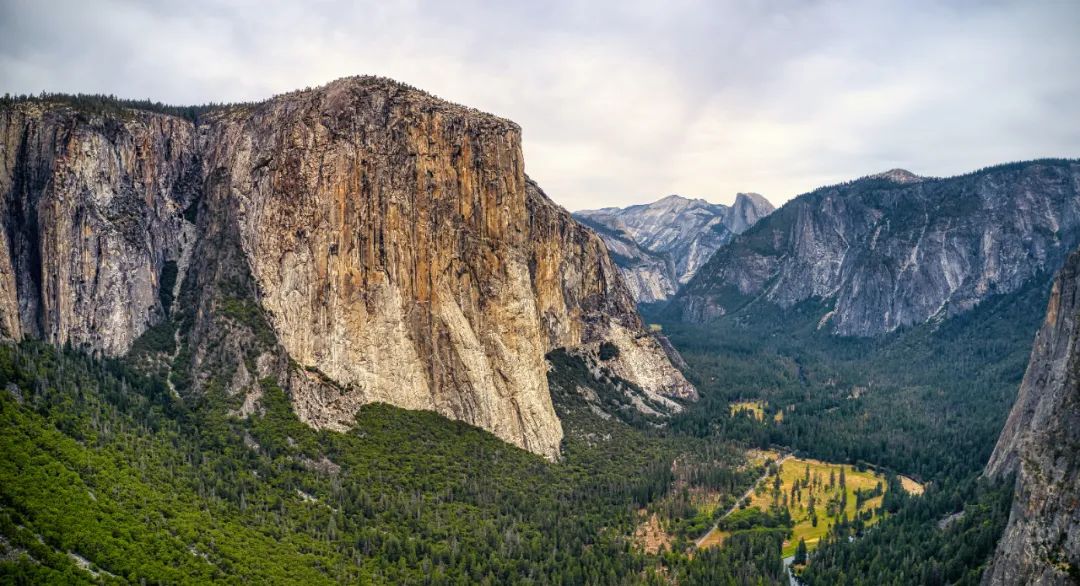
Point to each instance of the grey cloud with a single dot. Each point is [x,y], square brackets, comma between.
[620,102]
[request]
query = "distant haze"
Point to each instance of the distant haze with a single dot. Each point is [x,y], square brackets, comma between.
[620,102]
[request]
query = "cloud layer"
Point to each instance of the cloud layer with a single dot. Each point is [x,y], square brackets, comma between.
[620,101]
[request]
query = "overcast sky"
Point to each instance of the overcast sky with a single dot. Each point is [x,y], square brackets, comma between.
[620,101]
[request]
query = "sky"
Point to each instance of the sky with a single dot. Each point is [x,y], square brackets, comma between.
[620,101]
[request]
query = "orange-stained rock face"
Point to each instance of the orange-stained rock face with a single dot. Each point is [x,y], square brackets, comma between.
[402,252]
[398,249]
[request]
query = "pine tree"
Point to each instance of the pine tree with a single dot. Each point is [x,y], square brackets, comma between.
[800,553]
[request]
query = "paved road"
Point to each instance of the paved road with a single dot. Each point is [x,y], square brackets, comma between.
[735,507]
[792,581]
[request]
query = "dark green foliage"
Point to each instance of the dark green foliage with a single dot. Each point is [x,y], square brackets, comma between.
[927,401]
[159,338]
[166,283]
[777,518]
[248,314]
[569,370]
[191,213]
[746,558]
[111,105]
[800,553]
[103,462]
[608,351]
[923,543]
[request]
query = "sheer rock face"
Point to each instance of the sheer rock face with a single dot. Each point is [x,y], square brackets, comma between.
[92,209]
[584,302]
[391,240]
[387,232]
[661,245]
[893,250]
[745,212]
[1041,443]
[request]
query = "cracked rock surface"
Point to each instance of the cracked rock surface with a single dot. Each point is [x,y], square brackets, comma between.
[1041,444]
[895,249]
[392,241]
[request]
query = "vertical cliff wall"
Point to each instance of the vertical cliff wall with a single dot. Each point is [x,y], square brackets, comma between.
[92,208]
[361,242]
[1041,444]
[400,251]
[583,301]
[386,231]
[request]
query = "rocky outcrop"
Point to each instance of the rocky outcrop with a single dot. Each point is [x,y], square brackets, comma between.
[584,303]
[359,242]
[1041,444]
[895,249]
[660,246]
[92,211]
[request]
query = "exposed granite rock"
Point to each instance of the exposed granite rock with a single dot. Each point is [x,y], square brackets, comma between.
[386,231]
[661,245]
[359,242]
[896,249]
[1041,443]
[92,210]
[745,212]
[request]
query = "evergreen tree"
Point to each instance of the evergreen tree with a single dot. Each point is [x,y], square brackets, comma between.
[800,553]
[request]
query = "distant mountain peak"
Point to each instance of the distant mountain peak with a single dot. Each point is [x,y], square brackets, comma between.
[747,209]
[902,176]
[679,201]
[660,245]
[881,267]
[757,198]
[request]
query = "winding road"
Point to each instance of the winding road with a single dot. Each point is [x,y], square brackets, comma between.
[746,495]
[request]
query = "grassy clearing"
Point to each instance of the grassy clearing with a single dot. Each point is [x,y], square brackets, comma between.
[756,409]
[758,458]
[804,483]
[911,486]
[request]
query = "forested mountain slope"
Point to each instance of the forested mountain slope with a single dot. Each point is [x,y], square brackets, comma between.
[106,477]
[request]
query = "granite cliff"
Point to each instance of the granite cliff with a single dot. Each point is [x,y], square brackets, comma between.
[895,249]
[1041,445]
[661,245]
[359,242]
[92,209]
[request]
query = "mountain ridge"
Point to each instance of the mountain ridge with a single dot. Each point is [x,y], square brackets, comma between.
[885,254]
